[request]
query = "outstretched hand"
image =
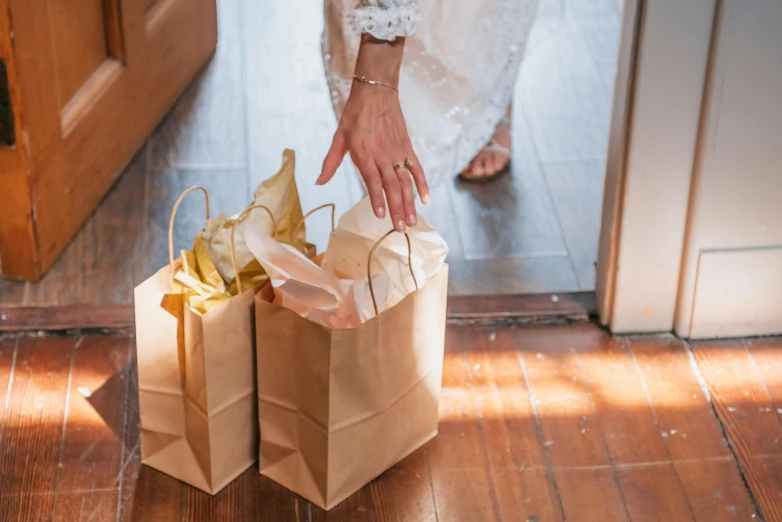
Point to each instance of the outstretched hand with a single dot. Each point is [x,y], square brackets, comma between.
[373,130]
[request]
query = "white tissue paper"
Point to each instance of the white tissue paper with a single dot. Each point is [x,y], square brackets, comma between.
[336,293]
[310,291]
[359,230]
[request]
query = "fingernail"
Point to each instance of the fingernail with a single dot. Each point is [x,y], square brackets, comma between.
[425,199]
[411,220]
[381,212]
[400,226]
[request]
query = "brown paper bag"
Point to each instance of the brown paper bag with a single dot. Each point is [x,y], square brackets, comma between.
[338,407]
[197,381]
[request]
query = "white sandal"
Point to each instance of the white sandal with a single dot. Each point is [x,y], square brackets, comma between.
[493,146]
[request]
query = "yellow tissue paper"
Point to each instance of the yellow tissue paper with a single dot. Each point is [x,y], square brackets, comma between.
[201,296]
[280,195]
[206,277]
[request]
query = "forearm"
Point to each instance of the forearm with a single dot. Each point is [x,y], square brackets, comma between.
[380,60]
[384,25]
[372,127]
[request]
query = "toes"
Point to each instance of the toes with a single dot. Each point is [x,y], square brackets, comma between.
[479,165]
[469,170]
[486,164]
[500,161]
[492,163]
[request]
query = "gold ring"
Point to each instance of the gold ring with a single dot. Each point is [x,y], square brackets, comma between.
[406,164]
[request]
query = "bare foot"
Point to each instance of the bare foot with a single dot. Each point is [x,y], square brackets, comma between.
[494,158]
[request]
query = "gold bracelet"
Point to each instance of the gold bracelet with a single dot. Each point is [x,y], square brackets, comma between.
[364,79]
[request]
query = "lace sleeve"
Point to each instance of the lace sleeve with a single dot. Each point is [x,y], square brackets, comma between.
[387,19]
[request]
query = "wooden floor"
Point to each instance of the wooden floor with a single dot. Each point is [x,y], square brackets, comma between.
[532,232]
[537,424]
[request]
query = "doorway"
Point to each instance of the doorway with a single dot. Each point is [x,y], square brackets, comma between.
[533,232]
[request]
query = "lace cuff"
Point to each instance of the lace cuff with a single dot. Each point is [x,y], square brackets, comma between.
[387,19]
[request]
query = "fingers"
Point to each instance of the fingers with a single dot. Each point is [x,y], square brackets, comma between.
[374,184]
[408,196]
[393,189]
[420,179]
[333,159]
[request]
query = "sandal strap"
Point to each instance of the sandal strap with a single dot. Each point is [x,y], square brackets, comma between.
[493,146]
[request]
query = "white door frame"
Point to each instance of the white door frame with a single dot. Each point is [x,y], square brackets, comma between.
[659,91]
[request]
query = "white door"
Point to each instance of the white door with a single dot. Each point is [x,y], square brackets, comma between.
[692,221]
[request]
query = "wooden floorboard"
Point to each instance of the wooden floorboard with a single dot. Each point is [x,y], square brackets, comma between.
[585,476]
[650,491]
[459,464]
[131,439]
[89,466]
[157,497]
[266,500]
[7,365]
[32,429]
[537,423]
[518,466]
[746,410]
[403,493]
[690,430]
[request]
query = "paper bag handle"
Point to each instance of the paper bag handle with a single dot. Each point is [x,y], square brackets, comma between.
[369,264]
[311,212]
[173,215]
[233,238]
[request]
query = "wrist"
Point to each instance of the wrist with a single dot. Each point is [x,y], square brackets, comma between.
[376,96]
[380,60]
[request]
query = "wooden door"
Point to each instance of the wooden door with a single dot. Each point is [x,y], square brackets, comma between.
[82,84]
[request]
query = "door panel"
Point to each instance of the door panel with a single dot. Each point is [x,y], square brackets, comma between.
[736,185]
[737,293]
[116,71]
[78,41]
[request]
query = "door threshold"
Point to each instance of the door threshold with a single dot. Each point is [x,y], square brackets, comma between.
[117,318]
[522,308]
[462,309]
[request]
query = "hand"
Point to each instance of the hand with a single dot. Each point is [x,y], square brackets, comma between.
[372,129]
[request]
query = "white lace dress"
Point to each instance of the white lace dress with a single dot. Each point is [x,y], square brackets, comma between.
[458,74]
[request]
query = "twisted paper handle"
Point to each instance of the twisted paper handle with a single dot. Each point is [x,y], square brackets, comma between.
[173,215]
[311,212]
[369,264]
[233,239]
